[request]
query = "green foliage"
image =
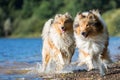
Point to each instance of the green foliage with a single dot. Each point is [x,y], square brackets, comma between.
[112,20]
[43,11]
[29,16]
[28,8]
[1,21]
[29,26]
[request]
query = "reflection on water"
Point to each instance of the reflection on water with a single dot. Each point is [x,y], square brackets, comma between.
[20,59]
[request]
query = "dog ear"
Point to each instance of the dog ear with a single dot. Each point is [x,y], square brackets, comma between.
[68,15]
[52,20]
[57,16]
[81,16]
[79,13]
[95,11]
[91,16]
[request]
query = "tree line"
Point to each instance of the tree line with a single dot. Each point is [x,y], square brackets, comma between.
[26,17]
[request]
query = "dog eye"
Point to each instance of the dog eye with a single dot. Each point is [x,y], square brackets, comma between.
[76,25]
[58,23]
[94,24]
[83,16]
[67,21]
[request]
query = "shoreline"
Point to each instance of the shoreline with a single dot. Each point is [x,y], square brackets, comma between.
[113,73]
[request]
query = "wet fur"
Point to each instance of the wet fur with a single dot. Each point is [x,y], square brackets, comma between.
[92,38]
[58,41]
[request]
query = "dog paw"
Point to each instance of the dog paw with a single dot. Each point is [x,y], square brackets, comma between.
[102,74]
[91,69]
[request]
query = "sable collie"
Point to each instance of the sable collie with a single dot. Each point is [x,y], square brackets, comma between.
[91,38]
[58,41]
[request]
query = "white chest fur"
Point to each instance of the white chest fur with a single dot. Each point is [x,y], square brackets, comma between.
[62,42]
[91,45]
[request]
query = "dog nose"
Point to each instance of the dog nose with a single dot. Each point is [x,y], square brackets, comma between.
[84,34]
[62,27]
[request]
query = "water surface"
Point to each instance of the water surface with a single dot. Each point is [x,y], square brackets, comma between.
[21,58]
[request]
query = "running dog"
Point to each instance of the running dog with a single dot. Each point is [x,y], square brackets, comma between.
[58,41]
[91,37]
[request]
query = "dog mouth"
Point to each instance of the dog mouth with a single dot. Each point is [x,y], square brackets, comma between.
[63,29]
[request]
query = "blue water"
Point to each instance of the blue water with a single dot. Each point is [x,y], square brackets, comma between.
[26,50]
[29,49]
[26,53]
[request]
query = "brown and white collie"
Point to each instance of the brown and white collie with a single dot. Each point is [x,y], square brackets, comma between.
[58,41]
[91,38]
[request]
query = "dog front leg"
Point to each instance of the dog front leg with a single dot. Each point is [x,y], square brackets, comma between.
[59,60]
[46,59]
[101,67]
[90,63]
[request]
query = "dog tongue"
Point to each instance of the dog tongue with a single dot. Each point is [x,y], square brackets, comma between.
[63,30]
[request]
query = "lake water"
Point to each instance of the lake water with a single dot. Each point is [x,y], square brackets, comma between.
[21,58]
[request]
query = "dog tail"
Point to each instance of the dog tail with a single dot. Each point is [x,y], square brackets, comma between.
[46,28]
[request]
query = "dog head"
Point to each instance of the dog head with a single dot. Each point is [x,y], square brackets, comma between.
[88,24]
[63,23]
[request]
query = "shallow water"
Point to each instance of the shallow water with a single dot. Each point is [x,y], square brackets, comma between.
[20,59]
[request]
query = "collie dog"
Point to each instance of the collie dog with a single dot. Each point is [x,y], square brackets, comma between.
[91,38]
[58,41]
